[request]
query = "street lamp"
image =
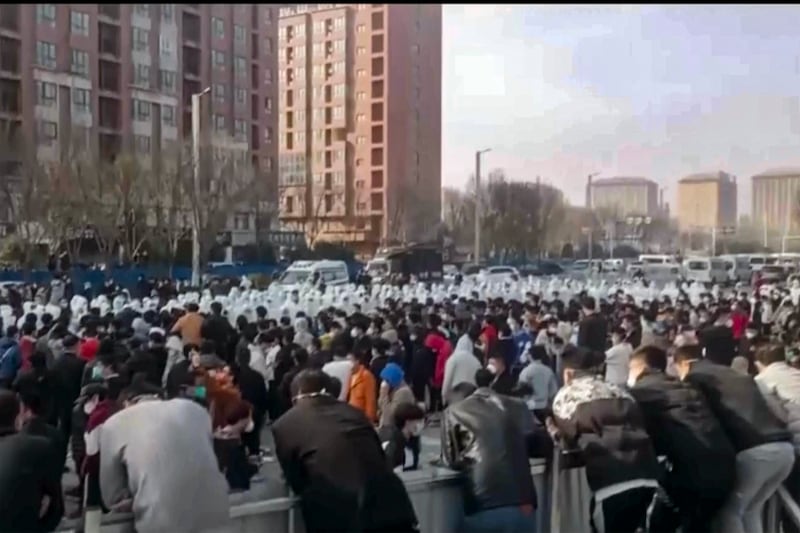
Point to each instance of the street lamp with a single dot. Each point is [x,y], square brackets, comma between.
[196,124]
[477,252]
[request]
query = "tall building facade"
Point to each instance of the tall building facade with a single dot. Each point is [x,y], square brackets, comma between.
[360,122]
[706,201]
[120,77]
[775,197]
[625,196]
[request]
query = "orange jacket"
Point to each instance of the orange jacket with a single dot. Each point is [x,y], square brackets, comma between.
[363,392]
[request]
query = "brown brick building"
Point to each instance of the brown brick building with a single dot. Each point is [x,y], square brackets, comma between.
[120,76]
[360,121]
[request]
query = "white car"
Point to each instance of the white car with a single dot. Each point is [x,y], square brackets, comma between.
[449,273]
[498,274]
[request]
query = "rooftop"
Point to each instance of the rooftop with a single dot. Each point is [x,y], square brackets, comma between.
[780,172]
[620,180]
[707,176]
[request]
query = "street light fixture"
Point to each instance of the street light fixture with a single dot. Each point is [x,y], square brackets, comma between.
[477,251]
[196,125]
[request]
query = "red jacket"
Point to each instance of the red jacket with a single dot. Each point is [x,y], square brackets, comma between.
[739,324]
[442,348]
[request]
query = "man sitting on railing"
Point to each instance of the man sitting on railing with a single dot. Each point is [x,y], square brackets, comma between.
[682,428]
[605,424]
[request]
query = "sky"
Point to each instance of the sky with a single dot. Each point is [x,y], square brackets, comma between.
[661,92]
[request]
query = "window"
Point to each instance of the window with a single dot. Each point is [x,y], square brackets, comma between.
[218,58]
[46,14]
[166,46]
[141,110]
[241,221]
[267,135]
[143,10]
[268,45]
[80,63]
[239,35]
[45,93]
[240,130]
[267,76]
[79,23]
[338,90]
[141,39]
[338,23]
[141,75]
[361,139]
[338,112]
[241,96]
[219,93]
[268,103]
[239,66]
[361,50]
[167,12]
[218,27]
[361,95]
[361,28]
[45,54]
[167,81]
[81,99]
[361,117]
[219,122]
[48,132]
[361,73]
[168,115]
[142,144]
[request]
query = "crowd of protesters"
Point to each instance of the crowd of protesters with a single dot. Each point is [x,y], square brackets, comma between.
[685,415]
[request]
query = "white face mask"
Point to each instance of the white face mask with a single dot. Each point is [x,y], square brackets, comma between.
[750,334]
[355,332]
[491,368]
[412,337]
[370,331]
[631,381]
[88,407]
[250,426]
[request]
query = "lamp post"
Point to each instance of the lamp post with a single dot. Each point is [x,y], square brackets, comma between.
[477,251]
[196,142]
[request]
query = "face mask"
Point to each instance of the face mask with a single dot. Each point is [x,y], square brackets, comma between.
[88,407]
[412,337]
[371,331]
[551,330]
[250,425]
[631,381]
[750,334]
[355,332]
[491,368]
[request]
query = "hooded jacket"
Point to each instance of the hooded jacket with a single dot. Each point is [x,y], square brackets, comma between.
[780,384]
[10,359]
[460,367]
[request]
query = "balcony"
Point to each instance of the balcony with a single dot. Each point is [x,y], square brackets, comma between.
[108,39]
[9,96]
[9,55]
[9,17]
[110,113]
[191,28]
[110,11]
[109,76]
[191,61]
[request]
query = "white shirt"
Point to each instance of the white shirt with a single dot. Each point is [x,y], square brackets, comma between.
[340,370]
[617,358]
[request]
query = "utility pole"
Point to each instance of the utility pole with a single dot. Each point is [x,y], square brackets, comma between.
[713,241]
[477,251]
[196,149]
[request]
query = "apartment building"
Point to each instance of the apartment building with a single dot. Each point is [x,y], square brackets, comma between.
[624,196]
[706,201]
[360,122]
[119,77]
[775,197]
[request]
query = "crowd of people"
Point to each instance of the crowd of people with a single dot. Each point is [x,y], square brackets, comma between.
[685,414]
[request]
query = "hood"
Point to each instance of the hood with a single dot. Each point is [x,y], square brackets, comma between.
[465,344]
[300,325]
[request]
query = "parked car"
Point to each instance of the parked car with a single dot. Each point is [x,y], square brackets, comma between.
[498,274]
[542,268]
[773,273]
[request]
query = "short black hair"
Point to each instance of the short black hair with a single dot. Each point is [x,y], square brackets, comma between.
[12,331]
[9,408]
[653,356]
[334,387]
[309,381]
[589,303]
[771,353]
[192,307]
[690,352]
[483,378]
[189,348]
[582,359]
[208,347]
[405,412]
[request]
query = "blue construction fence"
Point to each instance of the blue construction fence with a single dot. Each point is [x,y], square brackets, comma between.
[127,277]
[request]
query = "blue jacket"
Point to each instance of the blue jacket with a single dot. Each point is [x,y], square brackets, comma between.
[10,359]
[521,339]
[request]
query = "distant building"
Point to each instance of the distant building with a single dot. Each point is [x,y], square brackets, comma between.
[625,196]
[707,200]
[775,195]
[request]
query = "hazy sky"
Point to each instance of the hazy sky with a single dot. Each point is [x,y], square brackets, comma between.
[654,91]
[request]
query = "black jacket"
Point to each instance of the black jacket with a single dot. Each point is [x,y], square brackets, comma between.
[604,423]
[593,333]
[142,361]
[29,470]
[179,375]
[39,427]
[485,436]
[683,428]
[254,390]
[67,374]
[218,330]
[332,458]
[738,404]
[719,344]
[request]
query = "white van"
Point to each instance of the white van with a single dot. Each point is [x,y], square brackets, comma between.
[330,273]
[660,268]
[614,265]
[705,270]
[757,261]
[738,267]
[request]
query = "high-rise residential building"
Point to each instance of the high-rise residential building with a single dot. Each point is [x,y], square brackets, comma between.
[706,201]
[119,77]
[360,125]
[624,196]
[775,197]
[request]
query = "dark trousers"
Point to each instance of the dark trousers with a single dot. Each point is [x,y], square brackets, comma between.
[252,440]
[436,400]
[693,513]
[625,512]
[511,519]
